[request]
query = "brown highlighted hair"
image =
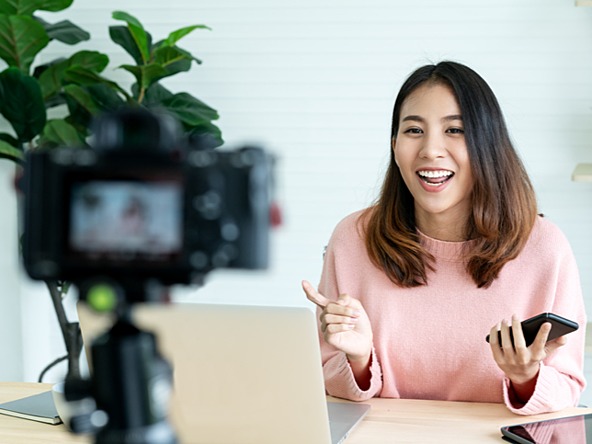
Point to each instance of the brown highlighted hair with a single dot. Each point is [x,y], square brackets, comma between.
[503,200]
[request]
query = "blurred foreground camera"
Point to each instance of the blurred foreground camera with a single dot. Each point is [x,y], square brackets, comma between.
[145,204]
[142,210]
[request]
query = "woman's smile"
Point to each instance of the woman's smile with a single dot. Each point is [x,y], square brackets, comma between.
[434,180]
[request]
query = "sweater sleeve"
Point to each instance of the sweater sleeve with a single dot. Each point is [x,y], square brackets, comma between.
[340,381]
[560,381]
[339,377]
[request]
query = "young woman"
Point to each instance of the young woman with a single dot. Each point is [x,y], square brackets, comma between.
[452,250]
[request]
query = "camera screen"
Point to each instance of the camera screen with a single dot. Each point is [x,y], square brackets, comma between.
[126,220]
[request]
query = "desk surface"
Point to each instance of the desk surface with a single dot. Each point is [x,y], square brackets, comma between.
[426,422]
[389,421]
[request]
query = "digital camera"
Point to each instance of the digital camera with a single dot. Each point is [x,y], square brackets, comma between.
[144,203]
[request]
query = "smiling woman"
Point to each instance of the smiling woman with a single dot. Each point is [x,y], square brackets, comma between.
[432,156]
[447,117]
[412,285]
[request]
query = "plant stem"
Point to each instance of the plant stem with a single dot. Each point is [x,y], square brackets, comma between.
[141,95]
[70,331]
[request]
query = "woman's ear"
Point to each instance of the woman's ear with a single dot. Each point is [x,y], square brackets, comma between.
[393,146]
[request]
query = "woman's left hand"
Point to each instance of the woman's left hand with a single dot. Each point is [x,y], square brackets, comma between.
[519,362]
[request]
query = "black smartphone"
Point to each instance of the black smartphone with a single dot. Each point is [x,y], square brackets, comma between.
[530,327]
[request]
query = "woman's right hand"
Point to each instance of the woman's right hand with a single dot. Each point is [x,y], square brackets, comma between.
[344,324]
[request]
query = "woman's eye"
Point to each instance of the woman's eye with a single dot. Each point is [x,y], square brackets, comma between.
[413,131]
[456,131]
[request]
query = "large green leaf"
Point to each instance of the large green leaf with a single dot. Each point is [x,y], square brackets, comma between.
[173,60]
[106,97]
[21,39]
[11,140]
[83,76]
[177,35]
[78,116]
[22,104]
[83,98]
[154,95]
[128,18]
[28,7]
[166,49]
[213,133]
[58,132]
[190,110]
[7,151]
[65,32]
[161,46]
[195,116]
[91,60]
[53,76]
[146,75]
[123,37]
[139,35]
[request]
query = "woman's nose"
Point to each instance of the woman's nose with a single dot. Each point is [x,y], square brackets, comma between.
[433,147]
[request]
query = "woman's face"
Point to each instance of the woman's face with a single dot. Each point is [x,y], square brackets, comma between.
[431,153]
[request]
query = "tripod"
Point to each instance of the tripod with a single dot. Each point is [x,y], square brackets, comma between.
[130,386]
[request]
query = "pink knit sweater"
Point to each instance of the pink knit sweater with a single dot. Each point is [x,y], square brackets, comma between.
[429,341]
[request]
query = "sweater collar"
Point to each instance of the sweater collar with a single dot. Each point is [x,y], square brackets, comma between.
[445,250]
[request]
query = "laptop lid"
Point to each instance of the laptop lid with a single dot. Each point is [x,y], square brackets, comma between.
[242,374]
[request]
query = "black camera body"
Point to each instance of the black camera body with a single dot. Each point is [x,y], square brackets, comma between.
[142,204]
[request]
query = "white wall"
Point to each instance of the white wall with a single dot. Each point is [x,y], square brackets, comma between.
[314,81]
[11,367]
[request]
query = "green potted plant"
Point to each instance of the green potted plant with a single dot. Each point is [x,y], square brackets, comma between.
[74,86]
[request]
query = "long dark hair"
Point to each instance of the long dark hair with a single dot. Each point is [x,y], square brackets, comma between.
[503,200]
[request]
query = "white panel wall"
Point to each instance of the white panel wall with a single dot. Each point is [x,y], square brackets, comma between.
[314,81]
[11,367]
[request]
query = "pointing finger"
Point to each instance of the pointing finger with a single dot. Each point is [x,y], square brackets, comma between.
[313,295]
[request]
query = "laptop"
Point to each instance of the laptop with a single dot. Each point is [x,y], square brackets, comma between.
[242,374]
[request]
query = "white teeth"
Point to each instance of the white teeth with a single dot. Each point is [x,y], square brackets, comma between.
[435,174]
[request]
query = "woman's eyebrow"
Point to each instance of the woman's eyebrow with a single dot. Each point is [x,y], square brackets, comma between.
[452,117]
[415,118]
